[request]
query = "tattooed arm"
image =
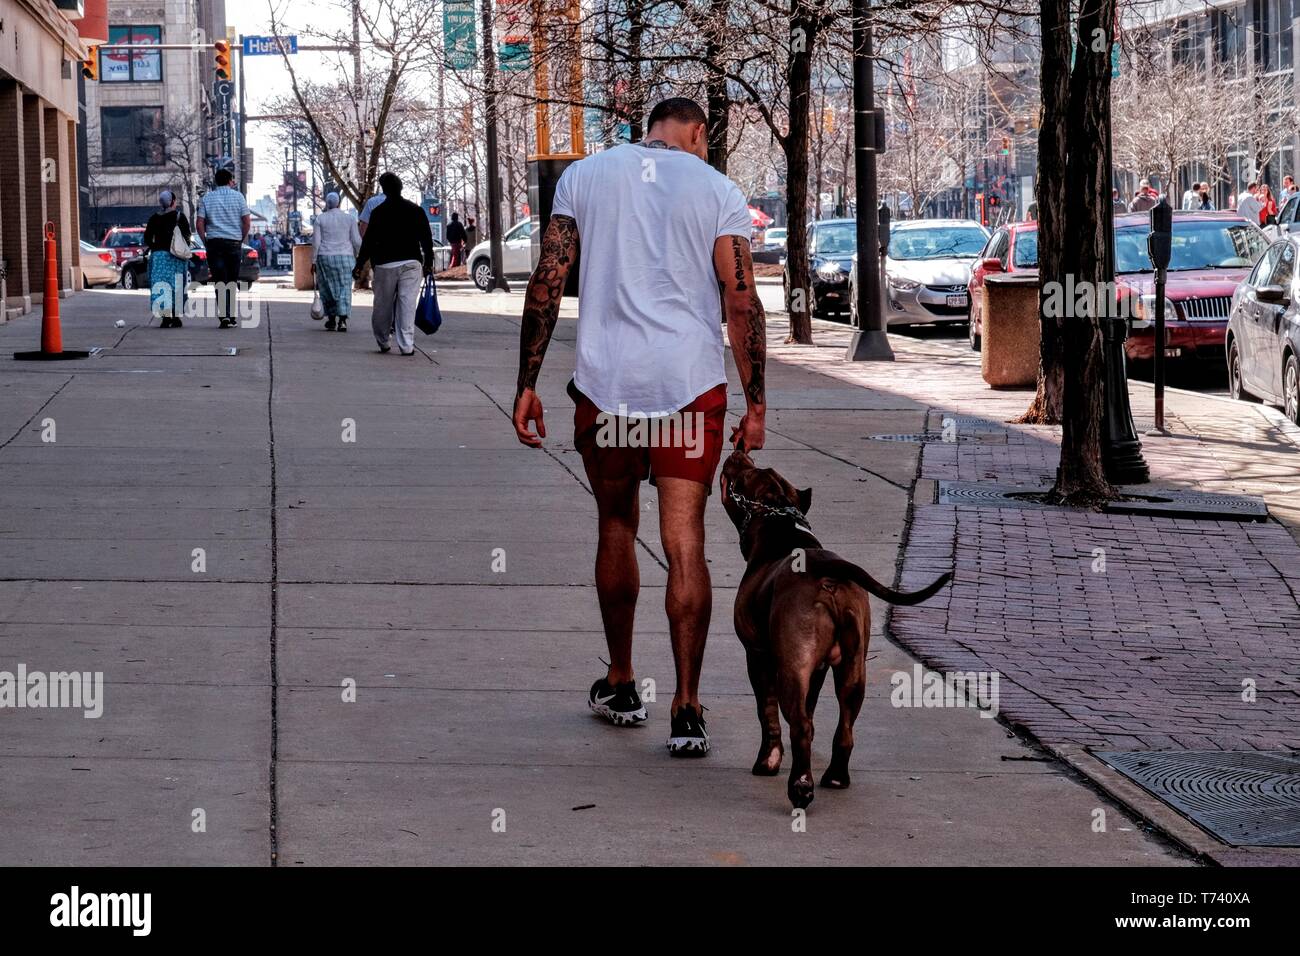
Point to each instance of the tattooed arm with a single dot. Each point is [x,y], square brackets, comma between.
[747,330]
[541,309]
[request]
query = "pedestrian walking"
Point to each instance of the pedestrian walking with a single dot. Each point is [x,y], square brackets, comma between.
[335,242]
[1192,196]
[1207,204]
[471,234]
[1288,190]
[399,244]
[1117,202]
[168,274]
[656,250]
[456,239]
[223,221]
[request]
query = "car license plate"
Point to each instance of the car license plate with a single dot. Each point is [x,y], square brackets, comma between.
[1173,353]
[958,301]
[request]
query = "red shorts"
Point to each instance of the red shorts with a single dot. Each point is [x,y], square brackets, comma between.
[687,444]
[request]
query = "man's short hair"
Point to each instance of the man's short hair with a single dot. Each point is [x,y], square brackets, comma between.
[678,108]
[224,177]
[1252,185]
[390,183]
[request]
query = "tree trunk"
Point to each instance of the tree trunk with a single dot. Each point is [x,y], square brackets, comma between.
[719,104]
[635,89]
[1081,477]
[1051,198]
[799,301]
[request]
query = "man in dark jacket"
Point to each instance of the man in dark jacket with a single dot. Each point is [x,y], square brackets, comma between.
[399,243]
[456,239]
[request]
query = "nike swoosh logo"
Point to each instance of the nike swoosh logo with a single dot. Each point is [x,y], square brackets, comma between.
[604,700]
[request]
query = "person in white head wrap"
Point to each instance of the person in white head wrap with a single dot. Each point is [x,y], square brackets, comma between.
[334,244]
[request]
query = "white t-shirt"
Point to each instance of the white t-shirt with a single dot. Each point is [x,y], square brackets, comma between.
[1248,207]
[649,312]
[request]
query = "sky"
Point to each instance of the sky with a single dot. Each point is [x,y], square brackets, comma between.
[268,77]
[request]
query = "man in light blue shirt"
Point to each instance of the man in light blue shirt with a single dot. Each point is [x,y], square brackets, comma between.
[223,221]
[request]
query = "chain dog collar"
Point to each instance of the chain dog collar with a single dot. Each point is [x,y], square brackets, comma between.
[751,508]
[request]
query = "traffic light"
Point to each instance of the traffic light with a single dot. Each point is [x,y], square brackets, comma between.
[221,59]
[90,65]
[1006,145]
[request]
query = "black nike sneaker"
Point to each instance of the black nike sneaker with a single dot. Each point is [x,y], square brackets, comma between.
[619,704]
[688,737]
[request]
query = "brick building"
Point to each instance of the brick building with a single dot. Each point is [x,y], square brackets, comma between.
[151,120]
[40,54]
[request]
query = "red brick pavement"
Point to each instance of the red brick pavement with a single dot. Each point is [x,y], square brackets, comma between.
[1150,652]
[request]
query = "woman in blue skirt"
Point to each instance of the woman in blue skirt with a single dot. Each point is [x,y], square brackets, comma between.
[167,274]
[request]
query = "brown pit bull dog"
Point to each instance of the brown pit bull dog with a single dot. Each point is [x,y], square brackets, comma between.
[800,610]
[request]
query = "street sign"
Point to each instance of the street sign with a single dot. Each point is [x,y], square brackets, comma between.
[458,33]
[270,46]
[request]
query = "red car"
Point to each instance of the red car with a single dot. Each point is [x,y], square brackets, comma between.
[1212,253]
[125,242]
[1012,249]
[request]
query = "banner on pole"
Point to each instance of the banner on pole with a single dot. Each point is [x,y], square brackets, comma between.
[458,34]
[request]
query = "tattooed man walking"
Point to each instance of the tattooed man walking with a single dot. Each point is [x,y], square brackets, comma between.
[661,232]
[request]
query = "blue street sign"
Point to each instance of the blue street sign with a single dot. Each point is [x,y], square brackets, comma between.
[269,46]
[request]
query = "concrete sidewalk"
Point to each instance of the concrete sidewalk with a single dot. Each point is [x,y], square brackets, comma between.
[332,564]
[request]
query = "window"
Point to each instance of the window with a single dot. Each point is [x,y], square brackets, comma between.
[1264,268]
[132,135]
[131,66]
[1285,267]
[522,231]
[1026,251]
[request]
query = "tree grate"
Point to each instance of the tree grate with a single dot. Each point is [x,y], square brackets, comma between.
[1242,798]
[1137,500]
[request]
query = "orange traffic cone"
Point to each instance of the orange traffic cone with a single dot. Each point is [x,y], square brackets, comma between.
[51,332]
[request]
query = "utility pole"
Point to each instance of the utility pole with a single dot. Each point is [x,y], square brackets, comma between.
[243,125]
[493,174]
[870,341]
[356,91]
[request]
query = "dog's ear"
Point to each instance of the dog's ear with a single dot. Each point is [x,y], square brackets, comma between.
[805,499]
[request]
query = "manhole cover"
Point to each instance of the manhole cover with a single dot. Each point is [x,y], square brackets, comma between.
[928,437]
[1244,798]
[967,422]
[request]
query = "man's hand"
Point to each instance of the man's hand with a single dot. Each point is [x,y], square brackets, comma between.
[528,408]
[357,272]
[750,434]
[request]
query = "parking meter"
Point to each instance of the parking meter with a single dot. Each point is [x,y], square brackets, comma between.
[883,219]
[1159,248]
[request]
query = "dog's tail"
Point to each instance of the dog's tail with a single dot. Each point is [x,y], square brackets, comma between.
[848,571]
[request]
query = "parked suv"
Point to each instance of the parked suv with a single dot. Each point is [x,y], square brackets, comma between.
[125,242]
[516,256]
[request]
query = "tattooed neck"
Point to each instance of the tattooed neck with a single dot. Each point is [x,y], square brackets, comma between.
[659,144]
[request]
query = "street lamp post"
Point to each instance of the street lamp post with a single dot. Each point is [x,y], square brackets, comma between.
[493,172]
[870,342]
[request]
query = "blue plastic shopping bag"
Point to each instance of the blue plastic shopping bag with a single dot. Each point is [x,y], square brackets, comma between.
[428,318]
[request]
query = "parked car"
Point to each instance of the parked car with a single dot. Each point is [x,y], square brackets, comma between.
[1286,219]
[516,256]
[1263,337]
[125,242]
[927,270]
[98,266]
[1212,253]
[774,238]
[135,272]
[1012,249]
[831,243]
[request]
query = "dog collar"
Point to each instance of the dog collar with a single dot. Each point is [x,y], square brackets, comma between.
[751,508]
